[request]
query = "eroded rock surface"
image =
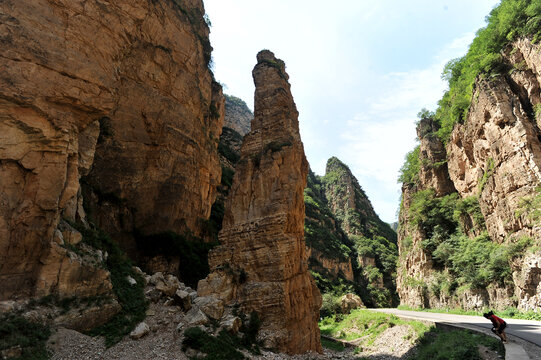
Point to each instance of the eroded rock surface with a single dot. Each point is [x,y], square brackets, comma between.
[494,157]
[261,264]
[120,94]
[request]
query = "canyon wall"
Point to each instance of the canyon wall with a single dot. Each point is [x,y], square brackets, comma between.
[261,263]
[493,160]
[116,97]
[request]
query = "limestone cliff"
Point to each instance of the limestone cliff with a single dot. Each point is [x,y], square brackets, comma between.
[330,250]
[237,119]
[237,115]
[493,161]
[116,96]
[261,264]
[370,244]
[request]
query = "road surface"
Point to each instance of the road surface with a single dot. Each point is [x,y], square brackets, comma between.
[525,329]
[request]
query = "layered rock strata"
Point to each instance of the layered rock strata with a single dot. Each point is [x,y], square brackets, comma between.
[119,94]
[356,217]
[494,156]
[237,115]
[261,264]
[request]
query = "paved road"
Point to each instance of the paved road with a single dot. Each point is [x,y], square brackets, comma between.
[525,329]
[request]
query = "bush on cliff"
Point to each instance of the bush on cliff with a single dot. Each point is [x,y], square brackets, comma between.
[31,337]
[510,20]
[130,297]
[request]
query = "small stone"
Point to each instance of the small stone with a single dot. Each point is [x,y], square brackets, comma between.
[157,277]
[196,317]
[183,299]
[58,237]
[138,271]
[169,302]
[140,330]
[211,306]
[151,312]
[131,280]
[168,288]
[231,323]
[153,295]
[13,352]
[147,279]
[350,302]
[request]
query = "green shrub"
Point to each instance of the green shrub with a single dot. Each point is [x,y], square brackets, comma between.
[130,297]
[225,345]
[331,305]
[454,345]
[227,152]
[221,347]
[409,172]
[510,20]
[30,336]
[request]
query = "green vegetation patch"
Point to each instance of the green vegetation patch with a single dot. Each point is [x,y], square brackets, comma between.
[31,337]
[224,346]
[332,345]
[508,313]
[409,172]
[510,20]
[455,345]
[365,324]
[130,297]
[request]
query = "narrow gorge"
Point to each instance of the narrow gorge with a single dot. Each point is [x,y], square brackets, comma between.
[146,214]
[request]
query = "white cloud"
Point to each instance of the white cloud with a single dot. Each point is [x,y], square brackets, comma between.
[377,139]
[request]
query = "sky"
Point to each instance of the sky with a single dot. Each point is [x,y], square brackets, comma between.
[360,71]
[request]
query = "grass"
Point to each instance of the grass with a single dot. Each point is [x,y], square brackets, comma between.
[365,324]
[509,313]
[15,330]
[331,345]
[454,345]
[432,343]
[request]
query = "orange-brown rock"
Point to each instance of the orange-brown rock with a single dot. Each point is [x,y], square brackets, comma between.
[237,115]
[495,155]
[261,263]
[336,267]
[433,173]
[116,92]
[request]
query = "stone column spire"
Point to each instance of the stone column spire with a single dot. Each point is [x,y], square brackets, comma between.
[261,263]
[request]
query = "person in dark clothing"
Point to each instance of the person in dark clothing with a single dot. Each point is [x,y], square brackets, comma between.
[499,325]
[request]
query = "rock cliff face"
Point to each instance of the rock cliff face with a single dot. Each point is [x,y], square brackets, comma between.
[237,115]
[329,247]
[372,242]
[261,264]
[117,96]
[237,120]
[493,159]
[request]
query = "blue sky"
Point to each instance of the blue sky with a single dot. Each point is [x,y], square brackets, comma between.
[359,70]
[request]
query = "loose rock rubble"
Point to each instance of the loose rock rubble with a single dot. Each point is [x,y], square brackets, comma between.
[175,307]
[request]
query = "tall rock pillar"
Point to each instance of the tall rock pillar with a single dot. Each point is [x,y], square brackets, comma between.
[261,264]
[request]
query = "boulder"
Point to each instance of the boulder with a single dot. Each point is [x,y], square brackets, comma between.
[183,299]
[349,302]
[211,306]
[140,330]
